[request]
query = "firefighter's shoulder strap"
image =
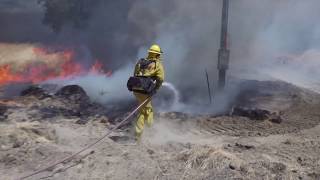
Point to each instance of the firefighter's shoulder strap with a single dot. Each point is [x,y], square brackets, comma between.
[144,63]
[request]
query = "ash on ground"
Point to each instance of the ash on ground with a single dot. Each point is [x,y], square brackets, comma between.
[270,131]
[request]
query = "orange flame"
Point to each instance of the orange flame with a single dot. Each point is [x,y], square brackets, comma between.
[7,76]
[97,68]
[63,67]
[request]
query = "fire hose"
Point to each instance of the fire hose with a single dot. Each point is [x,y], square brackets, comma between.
[68,158]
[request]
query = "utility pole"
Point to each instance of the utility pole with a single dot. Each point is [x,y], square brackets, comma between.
[223,54]
[208,84]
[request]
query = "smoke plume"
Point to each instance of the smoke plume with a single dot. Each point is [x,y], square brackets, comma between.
[260,34]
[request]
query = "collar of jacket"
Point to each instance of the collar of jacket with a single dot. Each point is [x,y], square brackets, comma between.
[153,59]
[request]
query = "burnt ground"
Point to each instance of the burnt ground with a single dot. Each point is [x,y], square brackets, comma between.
[38,129]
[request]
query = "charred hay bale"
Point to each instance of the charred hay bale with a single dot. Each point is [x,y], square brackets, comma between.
[275,118]
[257,114]
[74,93]
[251,113]
[34,91]
[175,115]
[3,110]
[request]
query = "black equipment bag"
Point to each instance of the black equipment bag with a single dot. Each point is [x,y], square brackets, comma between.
[141,84]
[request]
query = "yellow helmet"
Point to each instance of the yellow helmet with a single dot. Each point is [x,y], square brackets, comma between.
[155,49]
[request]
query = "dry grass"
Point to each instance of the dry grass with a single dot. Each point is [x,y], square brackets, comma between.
[206,158]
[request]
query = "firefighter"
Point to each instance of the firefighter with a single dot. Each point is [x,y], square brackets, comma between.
[149,68]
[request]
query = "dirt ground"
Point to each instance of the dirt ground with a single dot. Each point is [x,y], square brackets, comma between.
[178,146]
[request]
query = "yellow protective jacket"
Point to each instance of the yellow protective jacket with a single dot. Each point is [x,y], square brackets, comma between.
[154,69]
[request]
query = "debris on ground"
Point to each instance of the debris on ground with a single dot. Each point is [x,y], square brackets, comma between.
[35,91]
[271,134]
[253,114]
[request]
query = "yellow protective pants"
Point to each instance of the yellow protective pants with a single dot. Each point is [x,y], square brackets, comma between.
[145,114]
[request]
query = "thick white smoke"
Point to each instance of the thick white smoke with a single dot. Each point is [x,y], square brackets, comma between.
[101,88]
[189,32]
[301,70]
[283,42]
[259,33]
